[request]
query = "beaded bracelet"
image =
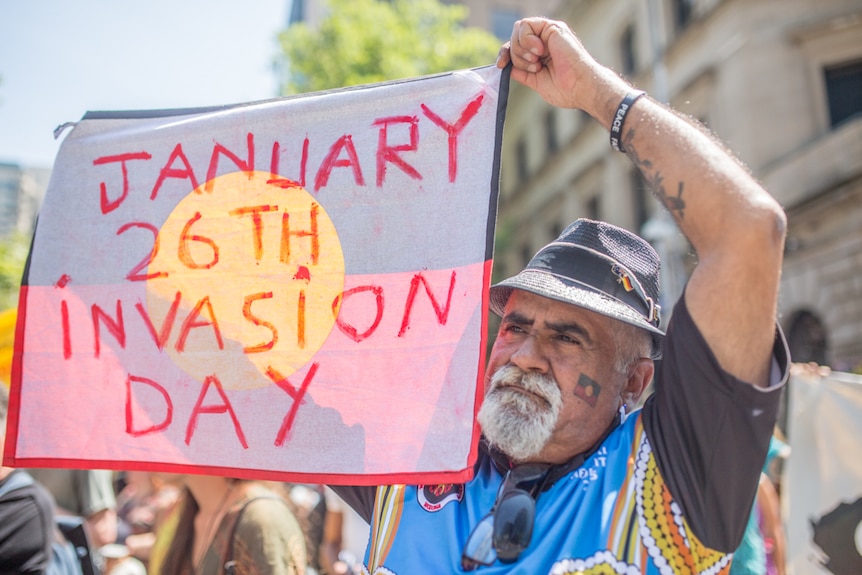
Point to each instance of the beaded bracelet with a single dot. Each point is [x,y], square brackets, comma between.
[620,117]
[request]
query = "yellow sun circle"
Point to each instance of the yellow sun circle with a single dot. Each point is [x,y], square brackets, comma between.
[245,274]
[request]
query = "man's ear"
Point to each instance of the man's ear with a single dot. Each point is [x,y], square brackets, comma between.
[639,377]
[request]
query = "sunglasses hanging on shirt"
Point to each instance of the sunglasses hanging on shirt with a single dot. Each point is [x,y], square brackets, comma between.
[506,531]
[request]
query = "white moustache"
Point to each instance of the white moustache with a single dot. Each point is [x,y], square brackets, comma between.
[532,382]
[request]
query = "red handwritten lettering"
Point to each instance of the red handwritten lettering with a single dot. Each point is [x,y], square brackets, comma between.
[246,313]
[312,233]
[349,330]
[168,172]
[282,183]
[442,314]
[134,274]
[110,205]
[303,162]
[295,394]
[453,130]
[300,320]
[223,407]
[115,326]
[169,407]
[275,161]
[167,323]
[67,334]
[331,161]
[387,153]
[257,224]
[190,323]
[218,149]
[184,252]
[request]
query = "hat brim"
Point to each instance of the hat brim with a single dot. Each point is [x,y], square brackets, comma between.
[550,286]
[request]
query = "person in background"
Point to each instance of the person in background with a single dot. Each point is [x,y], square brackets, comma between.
[763,549]
[26,515]
[221,524]
[772,527]
[141,506]
[308,506]
[85,493]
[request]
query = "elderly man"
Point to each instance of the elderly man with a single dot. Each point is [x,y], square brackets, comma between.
[569,479]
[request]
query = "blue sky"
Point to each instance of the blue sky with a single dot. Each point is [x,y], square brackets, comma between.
[60,58]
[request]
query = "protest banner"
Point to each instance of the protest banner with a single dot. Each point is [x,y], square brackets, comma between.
[292,289]
[822,495]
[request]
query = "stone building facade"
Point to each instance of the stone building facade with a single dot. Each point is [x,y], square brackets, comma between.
[779,80]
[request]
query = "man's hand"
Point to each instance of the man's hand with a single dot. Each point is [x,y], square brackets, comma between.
[547,57]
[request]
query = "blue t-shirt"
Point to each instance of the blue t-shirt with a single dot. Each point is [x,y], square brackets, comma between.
[669,490]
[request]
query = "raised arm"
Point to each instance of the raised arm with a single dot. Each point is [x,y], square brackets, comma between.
[735,226]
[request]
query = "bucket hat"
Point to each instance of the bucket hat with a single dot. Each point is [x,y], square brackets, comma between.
[596,266]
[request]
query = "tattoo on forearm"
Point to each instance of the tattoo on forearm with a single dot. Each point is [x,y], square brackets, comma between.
[674,204]
[588,390]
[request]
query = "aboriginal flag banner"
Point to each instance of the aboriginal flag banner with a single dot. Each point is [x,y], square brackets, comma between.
[293,289]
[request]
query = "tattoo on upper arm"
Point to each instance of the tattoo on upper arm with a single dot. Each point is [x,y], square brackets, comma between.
[674,204]
[588,390]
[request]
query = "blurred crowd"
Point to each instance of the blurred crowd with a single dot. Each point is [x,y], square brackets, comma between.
[152,523]
[140,522]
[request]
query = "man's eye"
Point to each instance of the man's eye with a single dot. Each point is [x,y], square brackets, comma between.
[567,339]
[512,328]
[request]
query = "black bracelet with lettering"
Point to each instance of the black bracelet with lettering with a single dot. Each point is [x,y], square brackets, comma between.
[620,117]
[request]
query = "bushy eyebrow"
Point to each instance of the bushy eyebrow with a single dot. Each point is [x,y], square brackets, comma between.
[569,328]
[518,318]
[572,328]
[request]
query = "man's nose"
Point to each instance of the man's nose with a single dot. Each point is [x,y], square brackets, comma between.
[529,356]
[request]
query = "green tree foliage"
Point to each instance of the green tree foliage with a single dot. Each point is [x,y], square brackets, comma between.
[13,255]
[366,41]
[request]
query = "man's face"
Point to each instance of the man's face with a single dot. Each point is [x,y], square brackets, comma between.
[572,391]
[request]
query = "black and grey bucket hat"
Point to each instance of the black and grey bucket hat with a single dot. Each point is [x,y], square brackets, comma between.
[597,266]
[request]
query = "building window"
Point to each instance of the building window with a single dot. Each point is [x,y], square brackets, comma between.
[502,22]
[521,158]
[627,50]
[551,130]
[844,91]
[682,13]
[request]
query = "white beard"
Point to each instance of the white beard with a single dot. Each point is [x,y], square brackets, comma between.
[516,423]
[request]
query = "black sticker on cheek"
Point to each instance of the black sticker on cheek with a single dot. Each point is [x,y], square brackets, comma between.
[588,390]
